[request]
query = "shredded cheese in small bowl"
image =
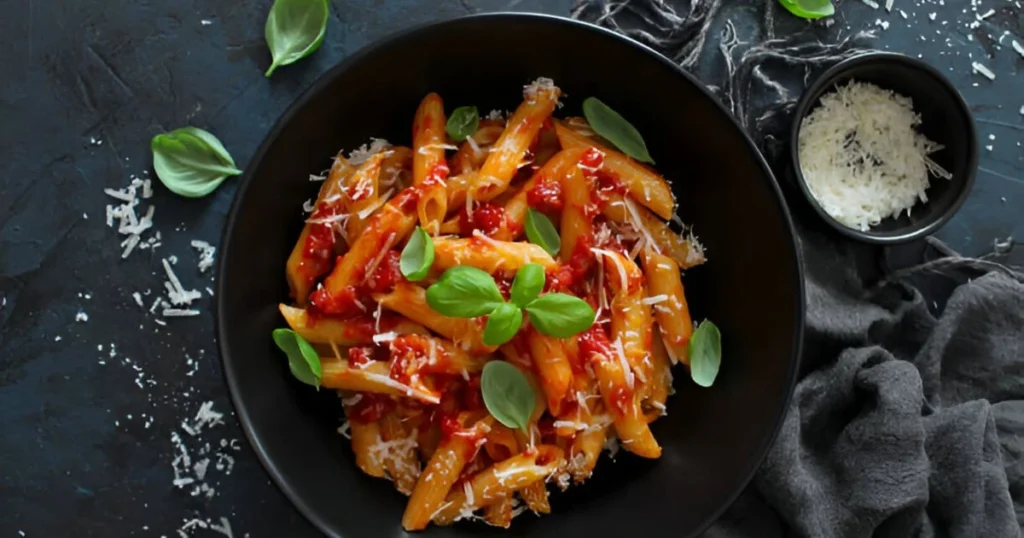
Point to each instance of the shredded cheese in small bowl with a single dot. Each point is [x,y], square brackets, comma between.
[862,156]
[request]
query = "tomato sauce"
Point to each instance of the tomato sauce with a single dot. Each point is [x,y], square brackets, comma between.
[360,357]
[353,301]
[546,196]
[487,217]
[437,175]
[370,408]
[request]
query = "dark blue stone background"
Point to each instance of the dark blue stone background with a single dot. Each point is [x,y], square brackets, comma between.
[85,447]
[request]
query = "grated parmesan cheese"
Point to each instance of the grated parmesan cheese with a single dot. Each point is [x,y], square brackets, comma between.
[206,254]
[862,157]
[986,72]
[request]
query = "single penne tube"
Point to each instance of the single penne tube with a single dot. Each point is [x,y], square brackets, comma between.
[388,227]
[345,332]
[668,299]
[400,459]
[553,171]
[585,451]
[436,480]
[631,326]
[313,253]
[430,169]
[374,377]
[539,101]
[395,164]
[644,185]
[660,385]
[577,221]
[410,301]
[500,480]
[487,254]
[501,443]
[620,397]
[685,252]
[552,368]
[361,194]
[618,387]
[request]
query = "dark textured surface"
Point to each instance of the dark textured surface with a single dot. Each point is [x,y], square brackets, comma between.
[72,462]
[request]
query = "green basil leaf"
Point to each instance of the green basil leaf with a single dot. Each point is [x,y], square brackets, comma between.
[540,231]
[809,9]
[502,324]
[191,162]
[464,292]
[614,128]
[507,394]
[417,256]
[560,315]
[294,30]
[303,360]
[463,122]
[528,284]
[705,353]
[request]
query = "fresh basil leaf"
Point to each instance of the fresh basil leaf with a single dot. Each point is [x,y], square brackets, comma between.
[809,9]
[540,231]
[502,324]
[417,256]
[464,292]
[191,162]
[303,360]
[463,122]
[560,315]
[294,30]
[614,128]
[507,394]
[705,353]
[528,284]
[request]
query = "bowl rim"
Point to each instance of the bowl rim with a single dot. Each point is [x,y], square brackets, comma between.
[813,94]
[339,70]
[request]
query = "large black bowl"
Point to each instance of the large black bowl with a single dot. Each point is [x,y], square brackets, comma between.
[713,439]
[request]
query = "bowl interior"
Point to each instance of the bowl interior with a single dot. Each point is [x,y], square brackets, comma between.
[713,440]
[945,120]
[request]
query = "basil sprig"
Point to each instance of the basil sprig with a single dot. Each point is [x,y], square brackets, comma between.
[541,231]
[705,353]
[467,292]
[417,256]
[191,162]
[303,360]
[294,30]
[614,128]
[463,122]
[809,9]
[507,394]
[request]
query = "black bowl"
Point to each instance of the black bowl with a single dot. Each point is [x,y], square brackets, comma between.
[945,119]
[713,439]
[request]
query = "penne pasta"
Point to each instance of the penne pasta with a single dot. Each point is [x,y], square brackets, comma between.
[669,303]
[487,254]
[642,183]
[414,383]
[499,481]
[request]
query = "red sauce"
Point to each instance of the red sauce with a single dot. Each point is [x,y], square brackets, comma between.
[362,327]
[360,357]
[570,277]
[405,359]
[370,408]
[487,217]
[343,304]
[504,286]
[593,159]
[593,344]
[609,183]
[437,175]
[546,196]
[387,274]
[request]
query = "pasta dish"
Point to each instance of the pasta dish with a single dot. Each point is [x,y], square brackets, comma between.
[495,304]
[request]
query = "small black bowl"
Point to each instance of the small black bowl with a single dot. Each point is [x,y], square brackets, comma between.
[945,119]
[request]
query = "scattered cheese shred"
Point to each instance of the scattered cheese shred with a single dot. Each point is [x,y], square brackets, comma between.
[986,72]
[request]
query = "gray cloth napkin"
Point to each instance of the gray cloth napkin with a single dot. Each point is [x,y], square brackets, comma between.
[908,418]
